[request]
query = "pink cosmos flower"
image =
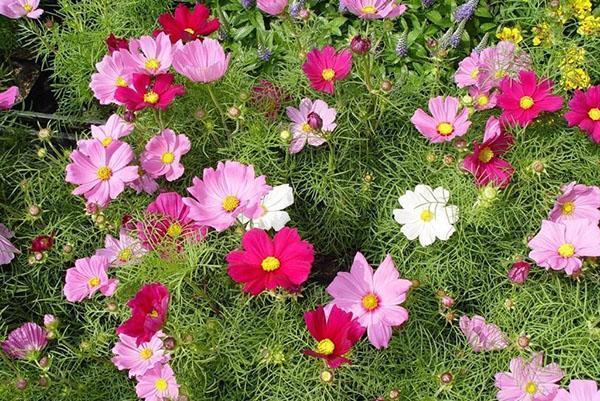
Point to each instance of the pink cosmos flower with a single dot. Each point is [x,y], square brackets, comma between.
[579,390]
[122,251]
[523,100]
[482,336]
[500,61]
[225,193]
[585,112]
[518,272]
[149,309]
[559,246]
[20,8]
[271,7]
[483,100]
[139,359]
[202,60]
[87,277]
[265,264]
[114,129]
[158,384]
[7,249]
[163,155]
[25,342]
[158,92]
[8,97]
[374,298]
[168,219]
[151,55]
[309,122]
[114,71]
[446,124]
[529,381]
[50,322]
[144,183]
[485,163]
[324,67]
[375,9]
[468,72]
[577,201]
[101,173]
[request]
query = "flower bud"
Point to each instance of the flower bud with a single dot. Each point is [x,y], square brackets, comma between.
[67,248]
[42,243]
[518,272]
[446,377]
[450,316]
[41,153]
[34,210]
[50,322]
[44,362]
[460,144]
[523,341]
[91,208]
[170,343]
[304,14]
[43,381]
[509,304]
[449,160]
[415,283]
[314,120]
[285,135]
[31,260]
[21,384]
[538,166]
[386,85]
[183,397]
[199,114]
[430,157]
[233,112]
[38,256]
[326,376]
[44,134]
[394,394]
[447,301]
[112,306]
[360,45]
[129,116]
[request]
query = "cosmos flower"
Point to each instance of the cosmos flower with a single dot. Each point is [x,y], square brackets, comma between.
[158,384]
[144,183]
[20,8]
[577,201]
[157,92]
[529,381]
[7,249]
[25,342]
[162,155]
[324,67]
[518,272]
[468,72]
[272,204]
[122,251]
[373,297]
[309,123]
[113,130]
[113,72]
[114,43]
[8,97]
[42,243]
[579,390]
[482,336]
[151,55]
[445,124]
[139,359]
[375,9]
[87,277]
[186,24]
[202,61]
[271,7]
[584,112]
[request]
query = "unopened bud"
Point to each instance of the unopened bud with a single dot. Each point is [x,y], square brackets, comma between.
[447,301]
[523,341]
[21,384]
[386,85]
[326,376]
[233,112]
[200,114]
[44,133]
[170,343]
[285,135]
[446,377]
[34,210]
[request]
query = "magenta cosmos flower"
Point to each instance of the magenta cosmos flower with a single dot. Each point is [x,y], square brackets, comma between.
[122,251]
[559,246]
[225,193]
[157,92]
[579,390]
[202,60]
[101,173]
[577,201]
[144,183]
[151,55]
[529,381]
[158,384]
[518,272]
[483,100]
[88,276]
[375,9]
[25,342]
[187,24]
[374,298]
[149,309]
[324,67]
[163,155]
[265,264]
[139,359]
[445,124]
[309,123]
[523,100]
[271,7]
[485,163]
[113,72]
[7,249]
[482,336]
[20,8]
[8,97]
[585,112]
[168,220]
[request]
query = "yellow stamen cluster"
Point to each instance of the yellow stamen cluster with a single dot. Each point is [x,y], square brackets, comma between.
[230,203]
[106,141]
[167,157]
[325,347]
[151,97]
[531,388]
[146,354]
[328,74]
[526,102]
[566,250]
[94,282]
[445,129]
[120,82]
[485,155]
[161,384]
[174,230]
[125,254]
[152,64]
[370,302]
[270,263]
[426,216]
[104,173]
[369,10]
[594,114]
[568,208]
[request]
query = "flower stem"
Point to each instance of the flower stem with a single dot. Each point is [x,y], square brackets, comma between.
[217,105]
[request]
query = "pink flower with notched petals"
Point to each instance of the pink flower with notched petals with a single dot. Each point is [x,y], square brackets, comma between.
[482,336]
[577,201]
[224,193]
[151,55]
[374,298]
[485,163]
[468,72]
[163,155]
[7,249]
[271,7]
[559,246]
[8,97]
[579,390]
[144,183]
[122,251]
[157,92]
[113,72]
[584,112]
[324,67]
[20,8]
[114,129]
[139,359]
[88,276]
[309,122]
[375,9]
[202,60]
[101,173]
[500,61]
[445,124]
[158,384]
[523,100]
[25,342]
[483,100]
[529,381]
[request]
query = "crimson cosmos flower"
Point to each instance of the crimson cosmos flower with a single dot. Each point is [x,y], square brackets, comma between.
[42,243]
[148,92]
[115,43]
[186,24]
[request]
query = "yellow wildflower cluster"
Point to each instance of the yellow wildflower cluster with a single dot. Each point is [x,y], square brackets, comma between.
[589,25]
[510,34]
[573,75]
[542,35]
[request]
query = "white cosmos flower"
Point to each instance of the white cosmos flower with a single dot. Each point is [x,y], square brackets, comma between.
[272,206]
[424,214]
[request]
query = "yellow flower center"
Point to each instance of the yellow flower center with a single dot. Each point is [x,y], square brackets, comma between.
[230,203]
[369,10]
[154,313]
[483,100]
[568,208]
[28,7]
[152,64]
[500,74]
[104,173]
[306,128]
[106,141]
[445,129]
[474,73]
[94,282]
[526,102]
[427,216]
[146,354]
[328,74]
[594,114]
[325,347]
[120,81]
[174,230]
[531,388]
[190,31]
[270,264]
[161,385]
[125,254]
[151,97]
[167,157]
[370,302]
[566,250]
[485,155]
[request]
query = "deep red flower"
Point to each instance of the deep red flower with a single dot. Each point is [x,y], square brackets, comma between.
[336,332]
[157,92]
[187,24]
[267,98]
[115,43]
[42,243]
[148,313]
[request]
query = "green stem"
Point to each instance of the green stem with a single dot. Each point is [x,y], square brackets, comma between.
[217,105]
